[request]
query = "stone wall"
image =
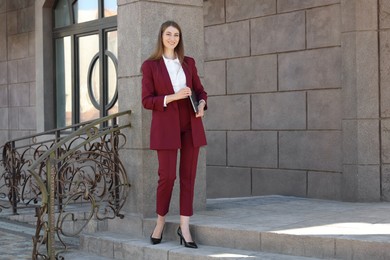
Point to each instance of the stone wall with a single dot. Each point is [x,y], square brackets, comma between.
[363,141]
[273,71]
[17,69]
[384,43]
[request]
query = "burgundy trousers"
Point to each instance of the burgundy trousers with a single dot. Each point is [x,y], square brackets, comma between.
[167,160]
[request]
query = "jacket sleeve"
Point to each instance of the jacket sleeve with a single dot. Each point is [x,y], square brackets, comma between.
[197,84]
[150,100]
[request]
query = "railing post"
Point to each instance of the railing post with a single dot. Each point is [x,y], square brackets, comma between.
[51,174]
[115,142]
[14,180]
[59,178]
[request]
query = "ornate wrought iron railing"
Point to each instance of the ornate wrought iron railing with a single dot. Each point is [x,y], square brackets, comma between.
[70,175]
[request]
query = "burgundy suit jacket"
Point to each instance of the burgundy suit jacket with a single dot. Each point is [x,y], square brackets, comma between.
[165,126]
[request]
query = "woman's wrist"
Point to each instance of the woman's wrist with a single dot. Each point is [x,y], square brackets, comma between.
[170,98]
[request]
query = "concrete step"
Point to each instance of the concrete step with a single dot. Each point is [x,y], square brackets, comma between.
[274,224]
[121,246]
[318,242]
[287,225]
[81,255]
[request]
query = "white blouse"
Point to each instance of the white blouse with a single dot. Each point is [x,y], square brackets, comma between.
[176,74]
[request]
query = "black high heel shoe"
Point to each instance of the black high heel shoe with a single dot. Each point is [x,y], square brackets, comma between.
[186,244]
[156,241]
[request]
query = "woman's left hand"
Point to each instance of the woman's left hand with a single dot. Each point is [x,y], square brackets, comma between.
[200,109]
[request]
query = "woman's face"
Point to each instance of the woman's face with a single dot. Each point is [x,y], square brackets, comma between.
[170,38]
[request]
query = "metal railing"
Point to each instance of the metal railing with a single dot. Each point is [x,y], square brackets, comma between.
[70,176]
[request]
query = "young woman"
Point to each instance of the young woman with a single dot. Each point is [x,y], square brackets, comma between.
[168,80]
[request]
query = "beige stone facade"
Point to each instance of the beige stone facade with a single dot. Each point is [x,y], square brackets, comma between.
[298,92]
[17,73]
[278,110]
[308,83]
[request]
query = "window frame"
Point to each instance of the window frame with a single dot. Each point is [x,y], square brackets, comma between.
[100,27]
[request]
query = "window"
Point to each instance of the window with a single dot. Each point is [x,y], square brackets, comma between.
[86,46]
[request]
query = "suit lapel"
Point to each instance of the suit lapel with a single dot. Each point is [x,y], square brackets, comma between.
[187,73]
[165,76]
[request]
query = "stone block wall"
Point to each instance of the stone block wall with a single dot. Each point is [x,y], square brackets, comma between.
[273,72]
[384,50]
[17,69]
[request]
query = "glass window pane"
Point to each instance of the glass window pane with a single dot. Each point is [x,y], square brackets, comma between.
[63,81]
[95,82]
[88,47]
[112,47]
[85,10]
[112,85]
[110,8]
[112,42]
[61,14]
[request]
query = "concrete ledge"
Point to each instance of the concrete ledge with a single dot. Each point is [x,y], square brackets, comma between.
[126,247]
[265,227]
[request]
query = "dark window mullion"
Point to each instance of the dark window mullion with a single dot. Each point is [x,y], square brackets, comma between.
[102,69]
[101,9]
[76,81]
[70,6]
[55,91]
[105,71]
[106,23]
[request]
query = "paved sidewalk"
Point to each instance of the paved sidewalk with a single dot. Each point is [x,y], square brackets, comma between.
[300,216]
[16,243]
[15,246]
[15,240]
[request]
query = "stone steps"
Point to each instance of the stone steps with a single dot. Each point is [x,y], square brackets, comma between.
[121,246]
[256,227]
[324,246]
[80,255]
[282,225]
[235,243]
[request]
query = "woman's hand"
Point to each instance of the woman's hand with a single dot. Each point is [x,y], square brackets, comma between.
[200,109]
[181,94]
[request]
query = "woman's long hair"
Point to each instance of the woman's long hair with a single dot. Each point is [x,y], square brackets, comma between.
[159,50]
